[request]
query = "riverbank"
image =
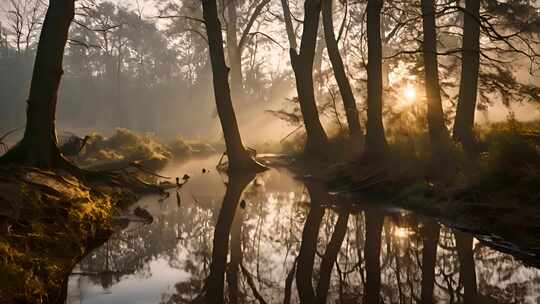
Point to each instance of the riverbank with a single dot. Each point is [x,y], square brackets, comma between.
[49,221]
[496,194]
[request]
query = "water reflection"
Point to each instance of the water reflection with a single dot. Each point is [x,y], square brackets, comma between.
[230,218]
[272,239]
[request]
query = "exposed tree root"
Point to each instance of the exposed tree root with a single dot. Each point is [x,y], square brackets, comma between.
[247,163]
[21,156]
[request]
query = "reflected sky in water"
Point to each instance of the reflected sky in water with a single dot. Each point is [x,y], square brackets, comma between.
[273,239]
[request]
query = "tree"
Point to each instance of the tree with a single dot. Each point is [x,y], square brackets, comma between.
[372,253]
[39,144]
[239,158]
[235,47]
[308,246]
[376,145]
[23,17]
[467,271]
[435,116]
[215,282]
[302,64]
[468,85]
[349,102]
[330,255]
[429,258]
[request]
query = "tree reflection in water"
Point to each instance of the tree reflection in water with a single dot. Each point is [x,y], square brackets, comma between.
[293,243]
[228,215]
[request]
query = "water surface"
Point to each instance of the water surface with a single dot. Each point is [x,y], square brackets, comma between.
[273,239]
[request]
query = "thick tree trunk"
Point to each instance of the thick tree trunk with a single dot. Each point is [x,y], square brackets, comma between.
[468,86]
[302,64]
[233,51]
[372,253]
[330,256]
[39,144]
[308,247]
[376,146]
[435,116]
[467,270]
[355,130]
[215,282]
[429,258]
[239,159]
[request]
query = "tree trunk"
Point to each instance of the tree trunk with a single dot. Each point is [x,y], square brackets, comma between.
[239,159]
[288,24]
[233,50]
[302,64]
[349,102]
[215,282]
[376,146]
[467,271]
[317,63]
[235,262]
[429,258]
[308,247]
[468,86]
[39,145]
[330,256]
[435,116]
[372,253]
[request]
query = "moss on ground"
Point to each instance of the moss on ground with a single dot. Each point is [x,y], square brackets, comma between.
[48,221]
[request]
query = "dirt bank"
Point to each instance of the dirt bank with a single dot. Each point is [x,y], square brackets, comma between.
[48,222]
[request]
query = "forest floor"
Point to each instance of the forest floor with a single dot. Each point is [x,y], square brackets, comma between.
[49,221]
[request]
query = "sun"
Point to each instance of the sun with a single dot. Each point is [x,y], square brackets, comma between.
[409,93]
[409,96]
[402,233]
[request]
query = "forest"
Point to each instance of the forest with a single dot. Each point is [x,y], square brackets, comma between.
[264,151]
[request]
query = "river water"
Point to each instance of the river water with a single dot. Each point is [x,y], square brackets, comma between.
[271,238]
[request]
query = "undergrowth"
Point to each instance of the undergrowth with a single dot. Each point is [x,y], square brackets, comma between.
[47,224]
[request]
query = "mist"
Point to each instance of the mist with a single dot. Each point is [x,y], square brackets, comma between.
[269,151]
[137,65]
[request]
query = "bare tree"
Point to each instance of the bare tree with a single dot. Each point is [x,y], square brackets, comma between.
[215,282]
[429,258]
[470,66]
[302,64]
[349,102]
[236,46]
[308,246]
[372,253]
[330,255]
[239,158]
[437,128]
[467,272]
[376,145]
[39,144]
[24,22]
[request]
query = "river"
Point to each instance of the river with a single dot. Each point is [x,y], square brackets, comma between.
[272,238]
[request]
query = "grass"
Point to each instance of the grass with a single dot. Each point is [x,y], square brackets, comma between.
[126,146]
[48,222]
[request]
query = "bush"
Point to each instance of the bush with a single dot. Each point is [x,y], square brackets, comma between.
[125,145]
[180,149]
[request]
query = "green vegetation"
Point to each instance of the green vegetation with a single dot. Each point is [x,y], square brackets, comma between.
[126,146]
[49,220]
